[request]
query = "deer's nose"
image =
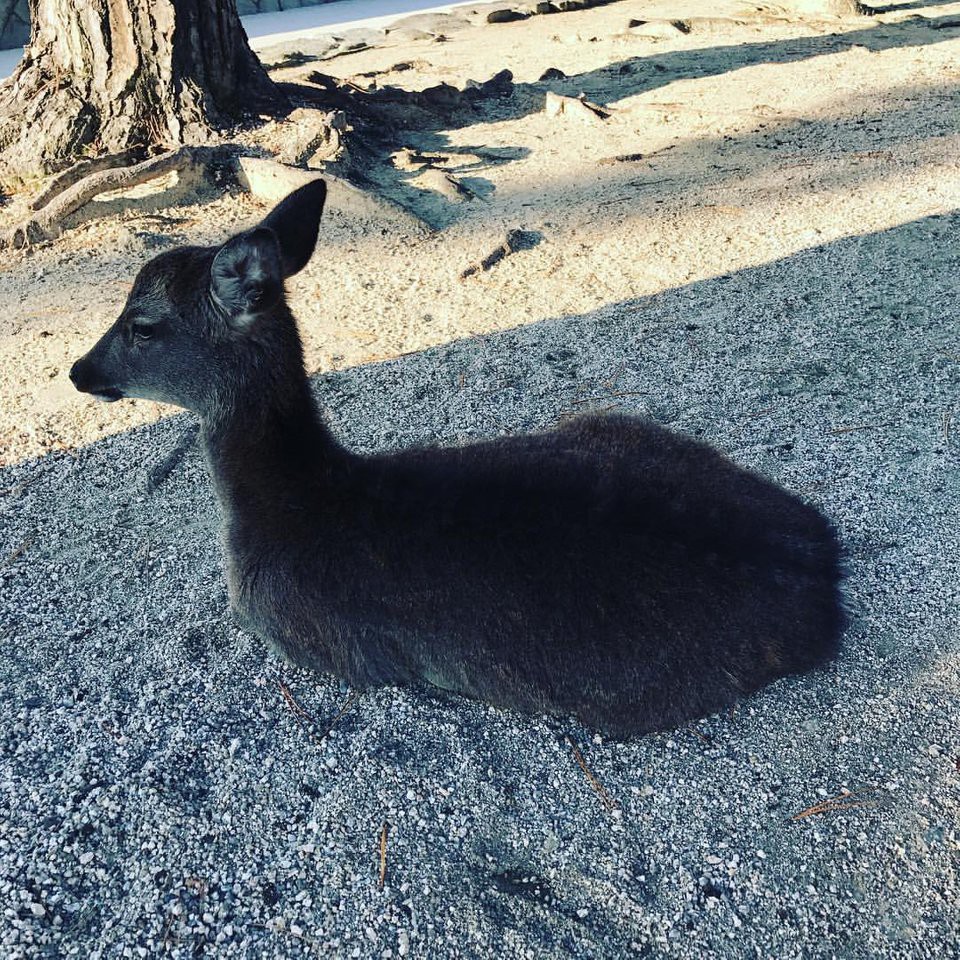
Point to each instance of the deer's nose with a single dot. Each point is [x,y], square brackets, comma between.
[80,374]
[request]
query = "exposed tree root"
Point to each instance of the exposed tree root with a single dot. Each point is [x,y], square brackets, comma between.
[67,194]
[84,168]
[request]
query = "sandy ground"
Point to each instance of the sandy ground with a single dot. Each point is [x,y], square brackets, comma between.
[776,269]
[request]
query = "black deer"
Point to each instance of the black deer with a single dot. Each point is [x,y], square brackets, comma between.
[608,568]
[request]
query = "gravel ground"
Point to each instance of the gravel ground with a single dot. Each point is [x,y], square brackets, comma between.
[160,793]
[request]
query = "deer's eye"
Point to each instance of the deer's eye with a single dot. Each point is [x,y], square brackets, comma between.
[142,331]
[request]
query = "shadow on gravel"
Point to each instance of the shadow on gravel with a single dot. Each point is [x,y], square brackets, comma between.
[160,788]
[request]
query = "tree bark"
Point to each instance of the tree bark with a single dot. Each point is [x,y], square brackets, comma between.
[110,75]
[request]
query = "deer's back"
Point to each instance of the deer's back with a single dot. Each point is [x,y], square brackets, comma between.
[609,568]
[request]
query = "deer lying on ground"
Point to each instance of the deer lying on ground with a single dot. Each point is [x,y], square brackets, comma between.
[608,568]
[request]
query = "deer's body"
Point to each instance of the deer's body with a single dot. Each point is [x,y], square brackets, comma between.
[609,568]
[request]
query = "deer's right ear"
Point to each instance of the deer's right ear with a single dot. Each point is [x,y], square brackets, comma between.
[246,277]
[296,222]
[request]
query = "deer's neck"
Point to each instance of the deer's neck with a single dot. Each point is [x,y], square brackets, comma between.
[270,465]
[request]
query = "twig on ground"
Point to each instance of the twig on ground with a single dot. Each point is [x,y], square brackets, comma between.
[351,700]
[515,240]
[621,158]
[556,103]
[169,937]
[651,333]
[17,552]
[700,735]
[637,184]
[612,381]
[385,829]
[648,183]
[758,413]
[306,719]
[843,801]
[594,782]
[302,716]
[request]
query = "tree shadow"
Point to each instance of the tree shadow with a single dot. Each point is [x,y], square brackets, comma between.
[638,75]
[905,5]
[390,118]
[811,333]
[737,174]
[774,156]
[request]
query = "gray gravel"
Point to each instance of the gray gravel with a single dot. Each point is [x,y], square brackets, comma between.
[160,797]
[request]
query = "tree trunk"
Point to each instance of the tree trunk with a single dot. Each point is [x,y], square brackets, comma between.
[102,76]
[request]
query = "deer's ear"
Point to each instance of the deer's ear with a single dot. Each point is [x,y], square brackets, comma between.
[246,277]
[296,221]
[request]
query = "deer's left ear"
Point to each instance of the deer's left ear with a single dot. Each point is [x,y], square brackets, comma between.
[296,222]
[246,277]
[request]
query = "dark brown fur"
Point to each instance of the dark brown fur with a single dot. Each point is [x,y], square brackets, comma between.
[609,568]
